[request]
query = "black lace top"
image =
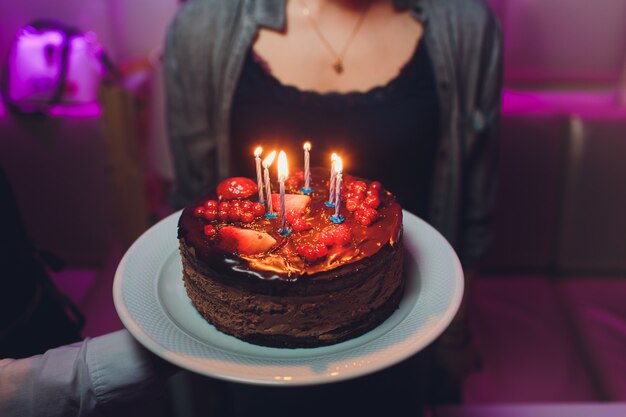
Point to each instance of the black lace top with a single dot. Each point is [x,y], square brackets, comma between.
[388,133]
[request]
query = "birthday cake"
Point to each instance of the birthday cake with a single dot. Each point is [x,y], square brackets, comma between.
[310,281]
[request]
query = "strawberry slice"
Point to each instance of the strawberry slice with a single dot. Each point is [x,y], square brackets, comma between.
[295,204]
[244,241]
[236,187]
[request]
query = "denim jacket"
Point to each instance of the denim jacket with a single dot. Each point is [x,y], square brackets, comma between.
[205,50]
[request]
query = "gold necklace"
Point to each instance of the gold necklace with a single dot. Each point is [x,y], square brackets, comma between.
[338,64]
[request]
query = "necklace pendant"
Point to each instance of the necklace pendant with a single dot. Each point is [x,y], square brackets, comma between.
[338,65]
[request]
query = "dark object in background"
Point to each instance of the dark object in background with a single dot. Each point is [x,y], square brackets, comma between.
[34,315]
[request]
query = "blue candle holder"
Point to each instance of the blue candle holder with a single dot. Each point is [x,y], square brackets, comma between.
[307,191]
[329,204]
[285,232]
[271,215]
[337,219]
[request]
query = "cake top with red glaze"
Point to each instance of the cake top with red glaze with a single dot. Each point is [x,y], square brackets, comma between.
[229,232]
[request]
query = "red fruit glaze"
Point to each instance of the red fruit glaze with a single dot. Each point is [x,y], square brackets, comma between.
[236,188]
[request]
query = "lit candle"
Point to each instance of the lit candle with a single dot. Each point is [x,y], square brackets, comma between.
[337,218]
[307,170]
[259,178]
[333,173]
[269,213]
[282,176]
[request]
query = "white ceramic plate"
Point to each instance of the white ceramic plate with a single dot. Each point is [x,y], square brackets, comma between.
[152,303]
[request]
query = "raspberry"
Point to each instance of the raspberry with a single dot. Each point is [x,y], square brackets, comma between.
[375,185]
[372,201]
[358,195]
[320,250]
[312,253]
[364,220]
[358,186]
[366,215]
[209,231]
[326,237]
[351,204]
[258,209]
[341,234]
[198,212]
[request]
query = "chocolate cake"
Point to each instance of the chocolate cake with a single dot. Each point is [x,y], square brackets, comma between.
[321,284]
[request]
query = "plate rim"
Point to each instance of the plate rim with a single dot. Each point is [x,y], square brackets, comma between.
[184,361]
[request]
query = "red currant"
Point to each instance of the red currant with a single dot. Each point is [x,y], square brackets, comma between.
[209,230]
[223,215]
[234,214]
[258,209]
[247,217]
[198,212]
[210,214]
[210,204]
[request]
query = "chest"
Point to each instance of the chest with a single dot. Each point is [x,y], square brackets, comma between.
[369,49]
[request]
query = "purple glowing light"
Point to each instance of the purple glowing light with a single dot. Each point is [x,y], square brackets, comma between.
[35,66]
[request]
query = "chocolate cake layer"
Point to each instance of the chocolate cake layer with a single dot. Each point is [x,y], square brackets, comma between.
[318,313]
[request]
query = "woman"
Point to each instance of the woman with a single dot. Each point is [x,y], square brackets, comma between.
[410,92]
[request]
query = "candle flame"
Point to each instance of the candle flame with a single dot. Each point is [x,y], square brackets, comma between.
[282,166]
[306,146]
[258,151]
[333,157]
[269,159]
[338,165]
